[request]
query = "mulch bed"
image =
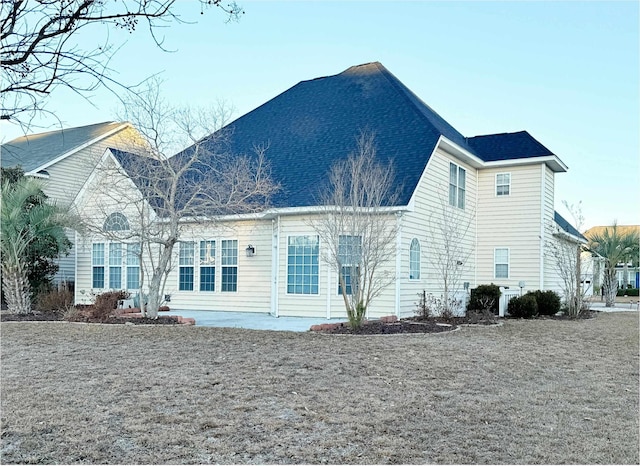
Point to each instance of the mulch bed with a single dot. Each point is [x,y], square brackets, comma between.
[53,316]
[408,325]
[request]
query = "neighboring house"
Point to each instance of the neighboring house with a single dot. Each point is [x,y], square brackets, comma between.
[628,274]
[63,160]
[498,188]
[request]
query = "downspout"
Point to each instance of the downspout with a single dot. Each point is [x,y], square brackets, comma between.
[475,264]
[275,284]
[75,268]
[542,219]
[329,288]
[398,260]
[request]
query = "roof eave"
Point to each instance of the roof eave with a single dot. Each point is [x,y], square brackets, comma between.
[78,148]
[552,161]
[460,152]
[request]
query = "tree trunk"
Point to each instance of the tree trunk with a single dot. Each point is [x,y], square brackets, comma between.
[16,287]
[578,282]
[156,288]
[610,285]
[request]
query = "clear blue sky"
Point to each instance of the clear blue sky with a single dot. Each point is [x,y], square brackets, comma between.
[567,72]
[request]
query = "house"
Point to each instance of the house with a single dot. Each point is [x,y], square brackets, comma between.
[63,160]
[496,190]
[628,275]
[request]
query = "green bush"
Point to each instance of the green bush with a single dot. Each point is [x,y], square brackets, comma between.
[548,302]
[628,292]
[524,307]
[484,297]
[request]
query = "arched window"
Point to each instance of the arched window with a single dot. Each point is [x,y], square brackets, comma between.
[414,260]
[116,222]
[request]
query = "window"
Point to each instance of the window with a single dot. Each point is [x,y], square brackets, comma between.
[302,265]
[115,265]
[116,222]
[457,185]
[97,262]
[501,262]
[414,260]
[207,265]
[133,266]
[503,184]
[349,257]
[229,265]
[185,266]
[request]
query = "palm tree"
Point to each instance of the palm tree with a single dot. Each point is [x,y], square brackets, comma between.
[23,222]
[615,247]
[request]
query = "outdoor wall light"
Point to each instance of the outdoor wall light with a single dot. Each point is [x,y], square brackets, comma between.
[251,251]
[466,285]
[459,262]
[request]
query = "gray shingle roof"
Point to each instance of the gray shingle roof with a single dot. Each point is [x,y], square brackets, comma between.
[567,227]
[314,123]
[507,146]
[35,150]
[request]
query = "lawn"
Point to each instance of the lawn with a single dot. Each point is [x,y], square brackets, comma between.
[538,391]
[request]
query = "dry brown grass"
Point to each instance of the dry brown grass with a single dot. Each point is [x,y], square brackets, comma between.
[529,392]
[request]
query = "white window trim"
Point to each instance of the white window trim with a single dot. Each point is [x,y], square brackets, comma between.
[508,263]
[419,260]
[103,265]
[196,284]
[496,185]
[457,185]
[198,265]
[304,295]
[237,266]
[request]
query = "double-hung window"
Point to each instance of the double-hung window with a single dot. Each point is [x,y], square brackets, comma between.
[115,265]
[229,250]
[302,265]
[186,266]
[133,266]
[503,184]
[457,185]
[207,265]
[97,263]
[414,260]
[501,262]
[349,256]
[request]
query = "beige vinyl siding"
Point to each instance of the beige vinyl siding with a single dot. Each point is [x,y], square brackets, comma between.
[512,222]
[327,303]
[430,198]
[254,273]
[67,177]
[552,280]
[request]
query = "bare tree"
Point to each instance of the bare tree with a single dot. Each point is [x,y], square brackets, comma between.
[566,254]
[449,228]
[40,49]
[164,197]
[357,228]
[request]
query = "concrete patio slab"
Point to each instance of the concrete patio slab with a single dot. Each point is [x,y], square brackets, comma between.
[252,320]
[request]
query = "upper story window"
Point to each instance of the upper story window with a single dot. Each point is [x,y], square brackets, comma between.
[414,260]
[457,185]
[116,222]
[503,184]
[501,262]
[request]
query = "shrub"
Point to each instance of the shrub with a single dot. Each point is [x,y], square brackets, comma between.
[54,300]
[485,297]
[548,302]
[524,307]
[628,292]
[106,303]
